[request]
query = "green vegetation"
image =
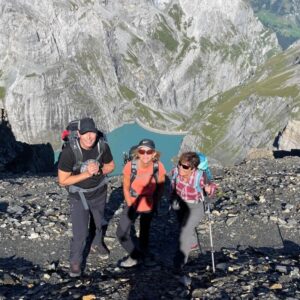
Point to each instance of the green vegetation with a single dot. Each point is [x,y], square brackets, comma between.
[143,112]
[74,6]
[126,92]
[187,42]
[194,68]
[279,24]
[275,86]
[227,51]
[89,57]
[132,58]
[206,45]
[281,16]
[31,75]
[176,13]
[2,92]
[212,117]
[134,38]
[83,16]
[164,34]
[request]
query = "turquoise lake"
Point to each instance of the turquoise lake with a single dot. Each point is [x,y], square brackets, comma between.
[122,139]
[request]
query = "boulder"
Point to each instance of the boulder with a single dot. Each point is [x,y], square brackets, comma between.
[289,138]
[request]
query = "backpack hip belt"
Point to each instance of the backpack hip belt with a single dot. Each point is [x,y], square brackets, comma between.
[76,189]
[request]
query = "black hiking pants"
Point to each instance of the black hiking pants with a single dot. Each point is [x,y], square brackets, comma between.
[80,225]
[136,247]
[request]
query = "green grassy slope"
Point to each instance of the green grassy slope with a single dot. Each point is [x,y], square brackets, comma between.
[277,79]
[282,16]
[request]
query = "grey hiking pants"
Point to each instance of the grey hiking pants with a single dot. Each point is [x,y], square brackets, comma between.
[189,216]
[80,225]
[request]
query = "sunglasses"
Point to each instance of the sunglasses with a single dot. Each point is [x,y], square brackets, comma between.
[142,151]
[184,166]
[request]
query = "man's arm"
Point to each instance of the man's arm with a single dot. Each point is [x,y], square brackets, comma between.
[108,168]
[66,178]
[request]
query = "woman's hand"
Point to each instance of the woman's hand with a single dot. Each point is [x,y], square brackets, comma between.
[211,189]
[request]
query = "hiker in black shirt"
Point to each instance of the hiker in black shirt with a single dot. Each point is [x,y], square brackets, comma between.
[86,182]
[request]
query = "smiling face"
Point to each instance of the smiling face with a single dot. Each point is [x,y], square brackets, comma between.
[145,154]
[184,168]
[87,140]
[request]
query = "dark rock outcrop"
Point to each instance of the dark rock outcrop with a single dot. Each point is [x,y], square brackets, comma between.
[21,157]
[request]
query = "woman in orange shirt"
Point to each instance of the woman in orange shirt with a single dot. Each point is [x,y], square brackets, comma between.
[143,184]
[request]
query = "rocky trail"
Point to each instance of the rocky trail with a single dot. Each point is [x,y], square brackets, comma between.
[255,223]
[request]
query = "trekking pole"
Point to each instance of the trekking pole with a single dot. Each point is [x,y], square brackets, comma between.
[282,240]
[211,239]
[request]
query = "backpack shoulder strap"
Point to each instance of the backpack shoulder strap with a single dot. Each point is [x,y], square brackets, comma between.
[173,181]
[175,174]
[198,176]
[133,172]
[74,144]
[100,147]
[155,171]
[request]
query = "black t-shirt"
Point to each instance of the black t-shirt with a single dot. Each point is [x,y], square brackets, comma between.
[67,161]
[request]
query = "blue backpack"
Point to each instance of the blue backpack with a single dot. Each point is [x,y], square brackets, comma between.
[203,166]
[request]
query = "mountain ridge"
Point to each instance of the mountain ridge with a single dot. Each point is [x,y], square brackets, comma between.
[155,61]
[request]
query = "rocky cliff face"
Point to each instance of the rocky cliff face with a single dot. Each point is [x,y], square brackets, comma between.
[118,60]
[251,115]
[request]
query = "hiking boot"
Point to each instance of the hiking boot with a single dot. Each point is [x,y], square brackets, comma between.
[102,251]
[75,270]
[129,262]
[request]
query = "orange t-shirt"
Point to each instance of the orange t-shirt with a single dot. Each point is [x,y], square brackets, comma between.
[144,184]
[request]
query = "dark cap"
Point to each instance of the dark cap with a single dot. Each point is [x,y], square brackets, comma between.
[146,143]
[87,125]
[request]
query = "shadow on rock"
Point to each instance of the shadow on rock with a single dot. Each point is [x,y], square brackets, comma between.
[21,279]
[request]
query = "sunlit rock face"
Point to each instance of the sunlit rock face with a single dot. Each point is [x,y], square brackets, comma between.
[115,60]
[290,137]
